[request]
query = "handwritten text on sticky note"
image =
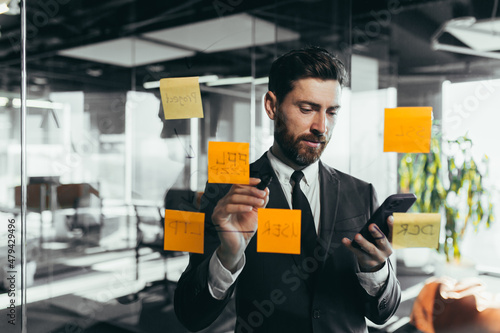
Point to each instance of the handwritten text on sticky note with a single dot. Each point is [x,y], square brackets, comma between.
[416,230]
[228,162]
[278,230]
[181,98]
[408,129]
[184,231]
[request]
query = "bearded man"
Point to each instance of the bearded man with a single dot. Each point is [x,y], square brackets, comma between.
[331,286]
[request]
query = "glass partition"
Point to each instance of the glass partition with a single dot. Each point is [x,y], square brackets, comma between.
[103,162]
[428,54]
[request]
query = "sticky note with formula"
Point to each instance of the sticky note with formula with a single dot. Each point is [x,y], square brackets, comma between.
[181,98]
[416,230]
[408,129]
[184,231]
[278,230]
[228,162]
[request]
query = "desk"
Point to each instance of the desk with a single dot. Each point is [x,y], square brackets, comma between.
[51,196]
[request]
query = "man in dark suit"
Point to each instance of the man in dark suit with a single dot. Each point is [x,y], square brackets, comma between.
[331,286]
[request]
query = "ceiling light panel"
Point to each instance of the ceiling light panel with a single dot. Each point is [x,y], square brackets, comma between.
[222,34]
[126,52]
[481,36]
[3,8]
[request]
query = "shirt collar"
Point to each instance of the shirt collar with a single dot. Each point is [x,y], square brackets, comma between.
[284,172]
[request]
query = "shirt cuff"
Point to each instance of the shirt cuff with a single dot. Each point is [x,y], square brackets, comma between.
[219,278]
[373,282]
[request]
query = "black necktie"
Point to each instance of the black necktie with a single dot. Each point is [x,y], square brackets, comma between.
[308,229]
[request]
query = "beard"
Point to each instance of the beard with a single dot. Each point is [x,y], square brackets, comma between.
[294,148]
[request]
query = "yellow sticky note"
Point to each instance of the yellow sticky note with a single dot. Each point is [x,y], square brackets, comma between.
[416,230]
[181,98]
[228,162]
[408,129]
[278,230]
[184,231]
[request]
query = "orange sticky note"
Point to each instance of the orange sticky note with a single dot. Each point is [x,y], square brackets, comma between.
[408,129]
[184,231]
[228,162]
[278,230]
[181,98]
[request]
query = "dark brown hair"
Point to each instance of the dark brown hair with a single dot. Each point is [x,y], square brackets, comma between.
[310,62]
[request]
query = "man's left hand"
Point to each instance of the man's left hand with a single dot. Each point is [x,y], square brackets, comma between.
[371,257]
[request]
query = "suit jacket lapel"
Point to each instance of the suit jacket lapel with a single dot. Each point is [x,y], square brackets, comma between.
[262,167]
[329,193]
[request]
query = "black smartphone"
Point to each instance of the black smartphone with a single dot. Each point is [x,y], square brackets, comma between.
[264,182]
[399,203]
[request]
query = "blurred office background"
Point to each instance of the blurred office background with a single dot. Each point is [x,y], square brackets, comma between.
[102,163]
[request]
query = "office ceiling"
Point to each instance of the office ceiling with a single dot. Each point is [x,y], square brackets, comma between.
[64,36]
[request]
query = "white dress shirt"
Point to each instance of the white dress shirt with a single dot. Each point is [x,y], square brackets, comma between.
[220,279]
[309,184]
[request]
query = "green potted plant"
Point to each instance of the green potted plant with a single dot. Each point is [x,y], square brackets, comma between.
[454,187]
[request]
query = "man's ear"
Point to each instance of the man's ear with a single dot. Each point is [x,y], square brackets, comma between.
[270,104]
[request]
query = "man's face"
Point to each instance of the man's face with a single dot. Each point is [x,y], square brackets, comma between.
[304,120]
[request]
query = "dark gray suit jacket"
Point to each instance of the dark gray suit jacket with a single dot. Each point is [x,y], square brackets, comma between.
[271,293]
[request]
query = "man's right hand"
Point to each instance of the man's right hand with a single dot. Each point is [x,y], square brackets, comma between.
[235,218]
